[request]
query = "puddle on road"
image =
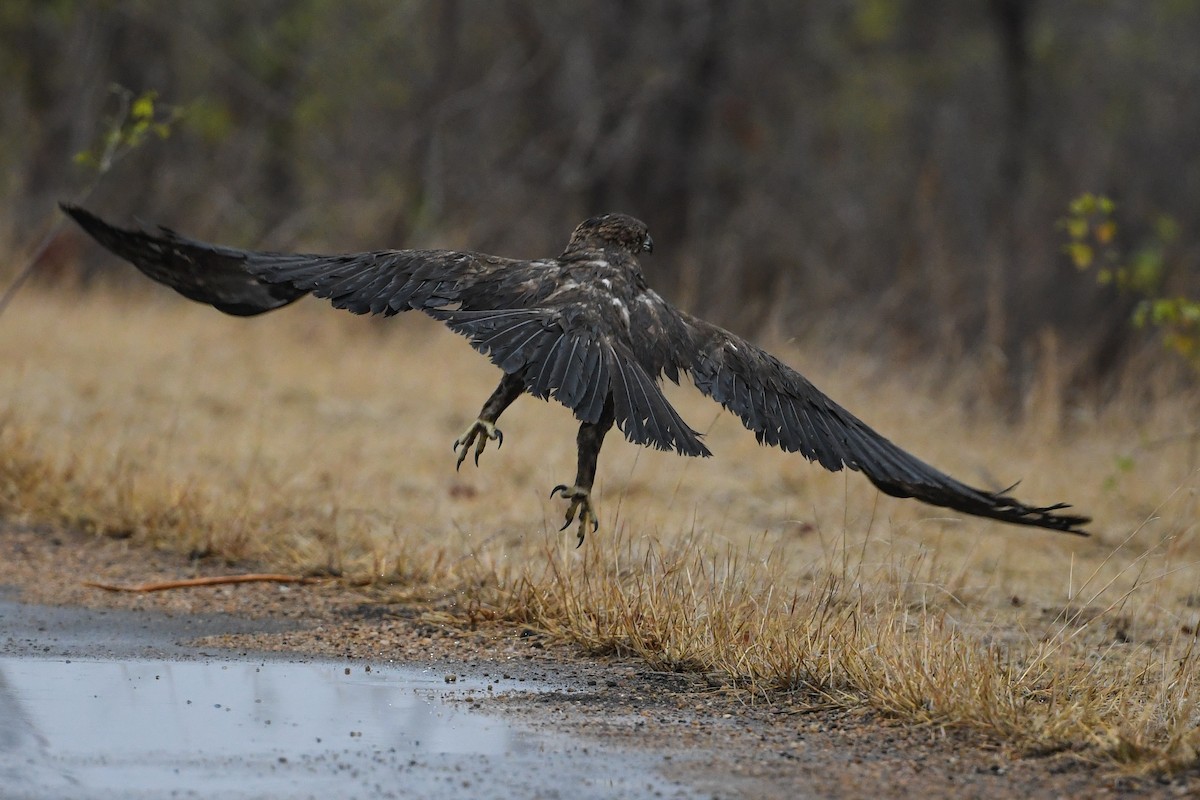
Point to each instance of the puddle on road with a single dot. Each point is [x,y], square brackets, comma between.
[244,729]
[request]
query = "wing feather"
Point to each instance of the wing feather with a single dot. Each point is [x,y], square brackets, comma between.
[248,282]
[202,272]
[566,373]
[539,377]
[596,387]
[643,412]
[627,421]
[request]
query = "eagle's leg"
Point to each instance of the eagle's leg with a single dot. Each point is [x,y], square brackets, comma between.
[484,429]
[590,438]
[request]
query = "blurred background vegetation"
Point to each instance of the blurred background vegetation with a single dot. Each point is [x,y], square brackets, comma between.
[888,174]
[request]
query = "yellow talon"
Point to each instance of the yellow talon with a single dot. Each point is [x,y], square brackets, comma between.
[581,505]
[472,435]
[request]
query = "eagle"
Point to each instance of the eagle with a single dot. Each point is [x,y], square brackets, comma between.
[585,329]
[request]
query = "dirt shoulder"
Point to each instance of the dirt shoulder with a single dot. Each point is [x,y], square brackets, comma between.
[709,737]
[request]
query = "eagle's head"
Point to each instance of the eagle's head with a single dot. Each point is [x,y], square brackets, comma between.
[612,230]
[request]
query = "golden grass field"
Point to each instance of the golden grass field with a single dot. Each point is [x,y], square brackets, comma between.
[316,441]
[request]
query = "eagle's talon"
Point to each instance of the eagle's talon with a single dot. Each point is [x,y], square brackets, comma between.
[580,506]
[471,436]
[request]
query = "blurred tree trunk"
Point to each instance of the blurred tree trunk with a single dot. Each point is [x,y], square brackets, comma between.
[1011,19]
[662,181]
[63,128]
[443,81]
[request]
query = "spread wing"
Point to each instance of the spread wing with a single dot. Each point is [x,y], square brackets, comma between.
[202,272]
[248,282]
[785,410]
[564,350]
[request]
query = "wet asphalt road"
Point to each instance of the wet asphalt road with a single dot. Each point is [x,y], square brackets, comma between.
[108,704]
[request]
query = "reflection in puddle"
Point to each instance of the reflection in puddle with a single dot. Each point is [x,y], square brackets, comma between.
[103,728]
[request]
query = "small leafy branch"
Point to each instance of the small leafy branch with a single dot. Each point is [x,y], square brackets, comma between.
[1092,230]
[135,119]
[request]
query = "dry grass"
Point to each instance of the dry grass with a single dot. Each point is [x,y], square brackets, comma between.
[319,441]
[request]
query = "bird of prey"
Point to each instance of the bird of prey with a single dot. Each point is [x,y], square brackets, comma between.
[584,328]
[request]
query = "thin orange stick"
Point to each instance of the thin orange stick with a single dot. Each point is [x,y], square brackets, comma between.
[216,580]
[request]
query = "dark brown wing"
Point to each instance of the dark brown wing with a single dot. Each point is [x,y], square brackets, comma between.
[202,272]
[248,282]
[785,410]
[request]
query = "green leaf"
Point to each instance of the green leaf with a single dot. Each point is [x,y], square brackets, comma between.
[1081,254]
[1083,205]
[143,106]
[1077,227]
[1163,311]
[1166,228]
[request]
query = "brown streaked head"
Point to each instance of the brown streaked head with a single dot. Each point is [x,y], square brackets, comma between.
[612,230]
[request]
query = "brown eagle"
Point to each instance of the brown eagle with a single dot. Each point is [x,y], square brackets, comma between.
[583,328]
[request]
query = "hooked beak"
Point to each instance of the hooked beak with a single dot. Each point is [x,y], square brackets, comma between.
[648,245]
